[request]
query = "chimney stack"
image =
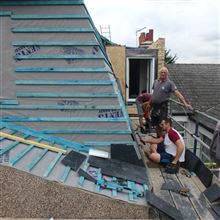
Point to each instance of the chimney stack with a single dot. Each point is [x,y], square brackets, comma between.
[151,35]
[146,39]
[141,38]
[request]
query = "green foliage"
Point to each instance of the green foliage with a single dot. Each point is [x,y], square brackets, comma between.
[169,58]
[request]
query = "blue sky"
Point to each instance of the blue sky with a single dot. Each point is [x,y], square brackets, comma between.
[191,27]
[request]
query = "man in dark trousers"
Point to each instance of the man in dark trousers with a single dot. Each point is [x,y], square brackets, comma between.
[162,90]
[143,103]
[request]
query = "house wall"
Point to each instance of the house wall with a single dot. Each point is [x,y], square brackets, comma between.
[117,58]
[160,45]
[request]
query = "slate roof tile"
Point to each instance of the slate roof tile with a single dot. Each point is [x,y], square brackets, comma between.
[200,85]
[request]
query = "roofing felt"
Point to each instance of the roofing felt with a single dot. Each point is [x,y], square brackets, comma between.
[56,76]
[56,79]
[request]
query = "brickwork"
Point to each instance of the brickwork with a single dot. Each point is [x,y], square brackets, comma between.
[160,45]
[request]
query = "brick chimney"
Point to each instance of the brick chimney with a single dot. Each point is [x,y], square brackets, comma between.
[146,39]
[151,35]
[142,38]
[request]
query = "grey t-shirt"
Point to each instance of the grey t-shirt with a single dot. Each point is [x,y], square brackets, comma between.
[162,90]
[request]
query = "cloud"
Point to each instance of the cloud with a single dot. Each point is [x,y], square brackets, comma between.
[191,27]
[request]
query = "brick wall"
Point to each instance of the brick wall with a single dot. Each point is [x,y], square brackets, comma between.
[160,45]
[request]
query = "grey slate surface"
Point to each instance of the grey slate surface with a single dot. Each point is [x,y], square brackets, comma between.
[200,85]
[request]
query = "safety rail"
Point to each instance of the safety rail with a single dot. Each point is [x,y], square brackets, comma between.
[197,111]
[195,134]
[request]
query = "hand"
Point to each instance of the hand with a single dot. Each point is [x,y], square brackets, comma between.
[188,106]
[174,162]
[142,140]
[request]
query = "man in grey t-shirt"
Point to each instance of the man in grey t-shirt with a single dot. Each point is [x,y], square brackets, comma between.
[162,90]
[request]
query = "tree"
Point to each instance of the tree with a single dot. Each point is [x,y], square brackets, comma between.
[169,58]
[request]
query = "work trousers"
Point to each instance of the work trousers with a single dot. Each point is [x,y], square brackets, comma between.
[159,112]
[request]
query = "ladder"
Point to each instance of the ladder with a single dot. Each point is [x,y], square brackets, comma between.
[105,31]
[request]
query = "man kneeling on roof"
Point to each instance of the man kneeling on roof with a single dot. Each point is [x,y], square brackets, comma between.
[168,149]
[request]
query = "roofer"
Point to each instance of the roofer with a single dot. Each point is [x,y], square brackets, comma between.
[162,90]
[143,103]
[168,149]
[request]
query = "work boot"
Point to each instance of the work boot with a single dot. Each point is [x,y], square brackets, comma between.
[172,168]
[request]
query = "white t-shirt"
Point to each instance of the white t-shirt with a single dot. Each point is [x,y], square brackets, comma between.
[169,142]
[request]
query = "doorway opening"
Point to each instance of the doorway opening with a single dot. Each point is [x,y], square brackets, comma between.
[140,75]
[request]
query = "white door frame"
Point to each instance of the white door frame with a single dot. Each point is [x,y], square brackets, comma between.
[151,78]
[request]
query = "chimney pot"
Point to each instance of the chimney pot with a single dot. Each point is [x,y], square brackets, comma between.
[151,35]
[147,37]
[141,38]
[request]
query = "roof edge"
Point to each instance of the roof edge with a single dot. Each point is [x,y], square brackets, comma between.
[41,2]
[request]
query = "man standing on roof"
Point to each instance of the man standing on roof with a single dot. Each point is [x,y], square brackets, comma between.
[162,90]
[168,149]
[143,103]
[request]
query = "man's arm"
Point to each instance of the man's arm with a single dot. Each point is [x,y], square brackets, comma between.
[179,150]
[146,106]
[150,140]
[182,99]
[154,140]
